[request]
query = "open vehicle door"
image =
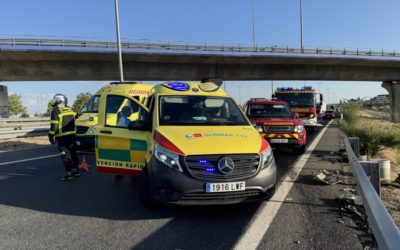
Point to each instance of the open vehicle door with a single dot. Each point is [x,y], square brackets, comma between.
[122,135]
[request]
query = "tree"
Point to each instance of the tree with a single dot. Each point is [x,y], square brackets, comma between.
[15,104]
[81,100]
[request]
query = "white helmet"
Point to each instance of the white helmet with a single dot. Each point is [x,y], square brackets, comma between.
[60,98]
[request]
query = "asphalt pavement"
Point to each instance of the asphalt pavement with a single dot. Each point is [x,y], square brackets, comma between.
[97,211]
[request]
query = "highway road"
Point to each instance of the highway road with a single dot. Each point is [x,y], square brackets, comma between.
[97,211]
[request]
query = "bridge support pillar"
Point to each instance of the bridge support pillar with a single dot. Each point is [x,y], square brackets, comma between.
[4,105]
[393,87]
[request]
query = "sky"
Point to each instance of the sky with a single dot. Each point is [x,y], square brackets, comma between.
[362,24]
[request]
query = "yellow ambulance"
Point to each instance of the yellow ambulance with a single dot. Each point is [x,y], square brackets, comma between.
[190,144]
[88,117]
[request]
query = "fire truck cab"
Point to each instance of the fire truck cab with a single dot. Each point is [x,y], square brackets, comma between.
[301,101]
[277,124]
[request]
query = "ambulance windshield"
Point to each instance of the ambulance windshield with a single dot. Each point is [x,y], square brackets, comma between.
[200,110]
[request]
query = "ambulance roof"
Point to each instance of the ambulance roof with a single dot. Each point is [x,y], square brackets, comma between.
[189,88]
[127,88]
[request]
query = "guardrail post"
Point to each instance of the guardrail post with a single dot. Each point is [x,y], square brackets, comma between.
[371,169]
[355,145]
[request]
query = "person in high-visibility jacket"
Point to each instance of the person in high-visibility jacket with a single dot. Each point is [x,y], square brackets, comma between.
[62,131]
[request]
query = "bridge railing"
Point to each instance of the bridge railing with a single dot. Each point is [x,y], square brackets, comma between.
[140,44]
[382,225]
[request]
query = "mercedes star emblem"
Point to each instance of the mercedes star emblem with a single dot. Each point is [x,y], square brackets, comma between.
[226,165]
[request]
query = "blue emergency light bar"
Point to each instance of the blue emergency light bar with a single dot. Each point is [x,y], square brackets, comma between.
[178,86]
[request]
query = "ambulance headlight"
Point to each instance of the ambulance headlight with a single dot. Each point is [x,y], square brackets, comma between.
[267,157]
[167,157]
[92,130]
[298,128]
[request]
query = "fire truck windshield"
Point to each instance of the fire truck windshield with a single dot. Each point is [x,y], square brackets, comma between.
[269,110]
[297,99]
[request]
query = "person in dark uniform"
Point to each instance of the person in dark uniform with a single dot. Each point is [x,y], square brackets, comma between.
[62,131]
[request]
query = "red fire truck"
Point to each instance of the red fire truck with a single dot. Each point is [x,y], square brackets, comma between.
[301,101]
[277,123]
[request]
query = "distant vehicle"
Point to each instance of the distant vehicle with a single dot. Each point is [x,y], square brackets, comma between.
[330,114]
[276,123]
[321,108]
[331,107]
[302,101]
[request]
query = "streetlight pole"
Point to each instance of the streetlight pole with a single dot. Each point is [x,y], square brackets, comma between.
[240,95]
[121,69]
[327,91]
[254,29]
[301,25]
[272,88]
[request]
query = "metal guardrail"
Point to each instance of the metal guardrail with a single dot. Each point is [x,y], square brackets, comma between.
[23,127]
[140,44]
[24,123]
[383,227]
[11,134]
[18,120]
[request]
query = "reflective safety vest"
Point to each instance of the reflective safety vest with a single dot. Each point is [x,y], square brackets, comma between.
[62,121]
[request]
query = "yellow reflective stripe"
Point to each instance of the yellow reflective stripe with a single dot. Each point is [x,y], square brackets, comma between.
[286,135]
[54,122]
[271,136]
[51,132]
[296,136]
[68,113]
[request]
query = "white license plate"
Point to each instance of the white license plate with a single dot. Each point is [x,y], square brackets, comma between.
[225,187]
[279,140]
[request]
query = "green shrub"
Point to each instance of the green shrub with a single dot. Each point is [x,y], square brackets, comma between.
[350,111]
[371,137]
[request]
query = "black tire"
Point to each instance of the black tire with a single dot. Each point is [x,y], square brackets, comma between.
[299,150]
[118,177]
[144,189]
[270,193]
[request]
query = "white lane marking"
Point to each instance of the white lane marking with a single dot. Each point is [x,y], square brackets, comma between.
[266,214]
[19,149]
[30,159]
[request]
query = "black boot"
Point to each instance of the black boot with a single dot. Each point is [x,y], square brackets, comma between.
[67,176]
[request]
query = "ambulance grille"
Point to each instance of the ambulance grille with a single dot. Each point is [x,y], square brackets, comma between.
[205,167]
[224,196]
[278,129]
[81,129]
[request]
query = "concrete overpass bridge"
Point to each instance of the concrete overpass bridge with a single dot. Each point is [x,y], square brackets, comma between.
[54,59]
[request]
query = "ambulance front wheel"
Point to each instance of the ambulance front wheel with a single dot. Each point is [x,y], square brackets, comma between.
[144,189]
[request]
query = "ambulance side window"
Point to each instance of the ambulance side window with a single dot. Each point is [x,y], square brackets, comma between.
[120,111]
